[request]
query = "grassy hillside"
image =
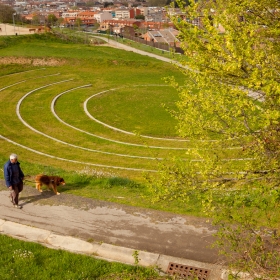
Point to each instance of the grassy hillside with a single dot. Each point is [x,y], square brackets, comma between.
[97,115]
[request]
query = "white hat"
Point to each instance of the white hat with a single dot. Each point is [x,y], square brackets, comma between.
[13,156]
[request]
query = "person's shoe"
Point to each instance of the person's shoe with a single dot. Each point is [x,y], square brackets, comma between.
[17,206]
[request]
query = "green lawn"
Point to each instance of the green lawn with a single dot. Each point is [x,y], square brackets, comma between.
[133,110]
[26,260]
[108,135]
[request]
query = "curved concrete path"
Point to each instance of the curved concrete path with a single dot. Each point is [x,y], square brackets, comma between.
[119,45]
[109,230]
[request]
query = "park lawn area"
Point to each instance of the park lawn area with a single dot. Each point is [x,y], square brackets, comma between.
[96,161]
[135,111]
[106,186]
[28,260]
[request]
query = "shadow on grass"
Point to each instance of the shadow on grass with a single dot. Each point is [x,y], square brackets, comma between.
[73,186]
[101,183]
[121,182]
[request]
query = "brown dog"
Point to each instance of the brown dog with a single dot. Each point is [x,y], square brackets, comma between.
[49,181]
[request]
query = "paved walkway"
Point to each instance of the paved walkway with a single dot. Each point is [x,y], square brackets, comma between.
[111,231]
[119,45]
[7,29]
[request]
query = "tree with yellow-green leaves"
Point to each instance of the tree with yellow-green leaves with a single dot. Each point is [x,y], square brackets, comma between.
[229,109]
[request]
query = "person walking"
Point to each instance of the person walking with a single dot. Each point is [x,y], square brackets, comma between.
[14,179]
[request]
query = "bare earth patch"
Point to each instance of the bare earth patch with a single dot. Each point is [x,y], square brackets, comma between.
[32,61]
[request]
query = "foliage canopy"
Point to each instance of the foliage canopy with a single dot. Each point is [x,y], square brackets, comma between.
[230,107]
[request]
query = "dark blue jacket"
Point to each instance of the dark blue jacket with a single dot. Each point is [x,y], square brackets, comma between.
[8,173]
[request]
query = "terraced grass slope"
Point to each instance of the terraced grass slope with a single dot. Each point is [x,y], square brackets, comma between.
[77,106]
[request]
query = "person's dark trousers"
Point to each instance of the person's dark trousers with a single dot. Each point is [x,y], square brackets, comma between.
[17,188]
